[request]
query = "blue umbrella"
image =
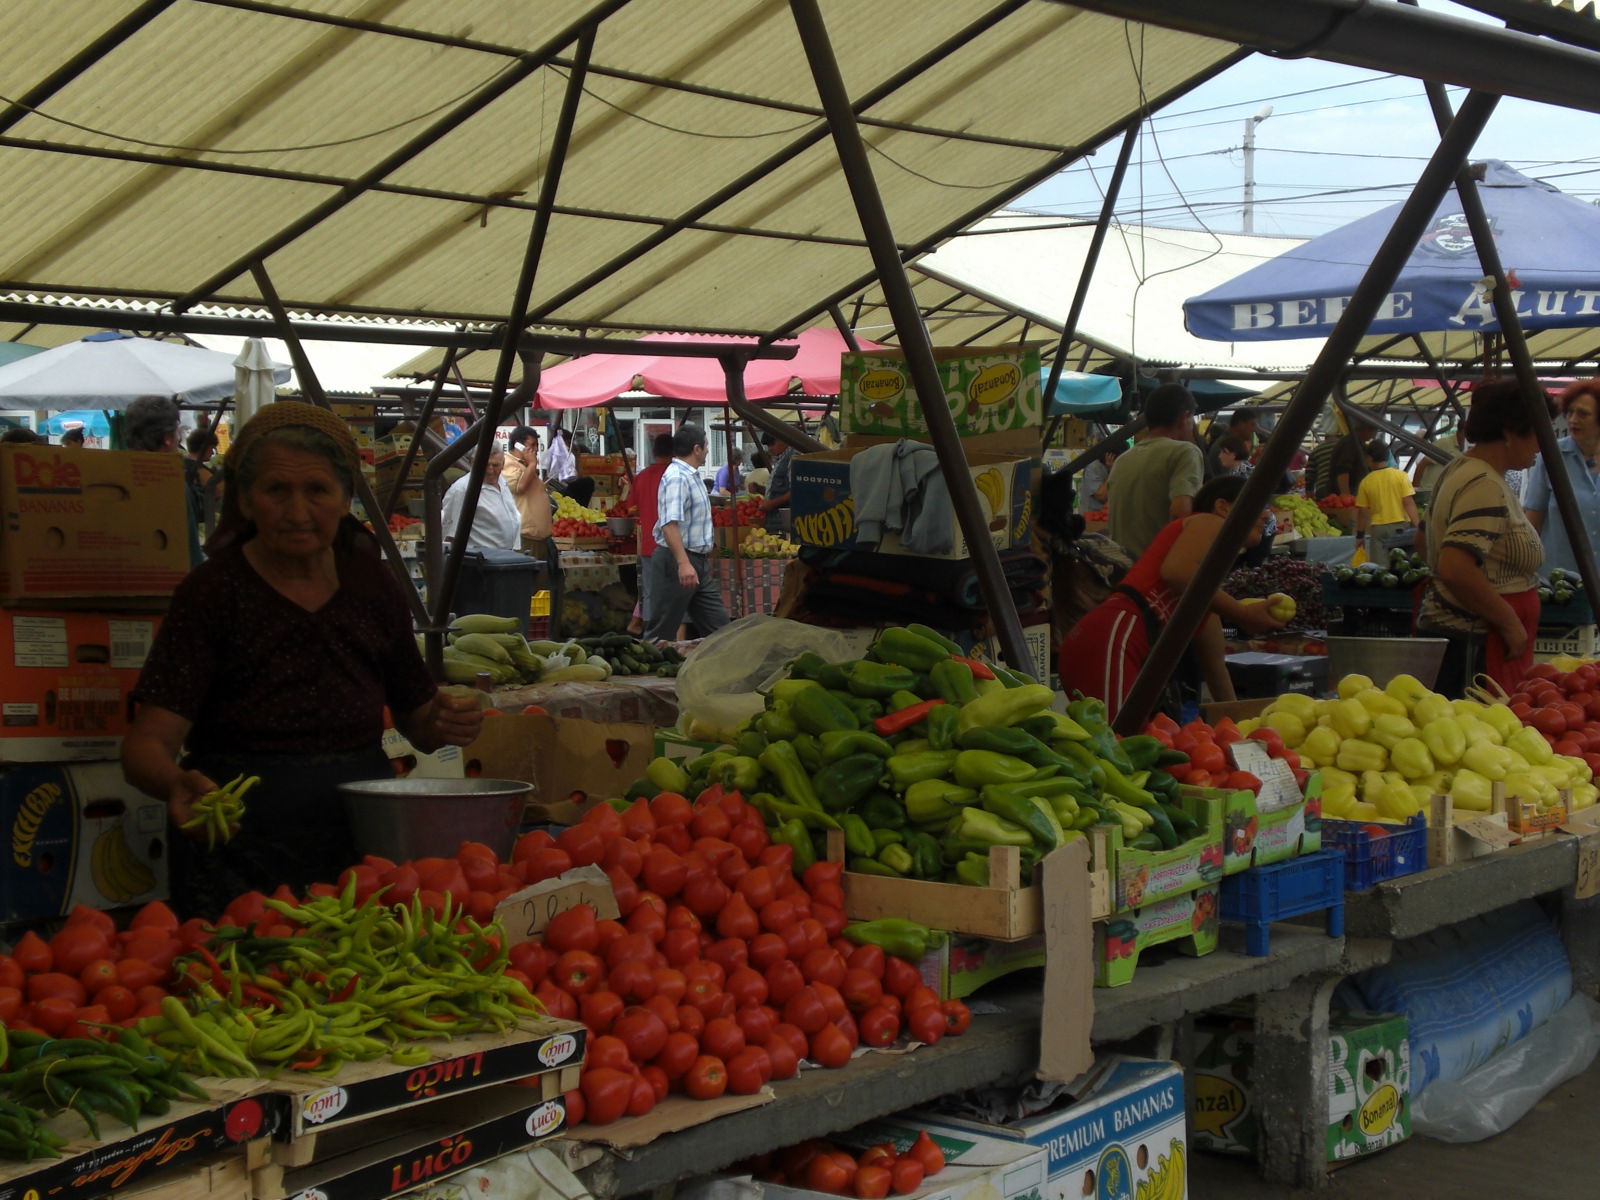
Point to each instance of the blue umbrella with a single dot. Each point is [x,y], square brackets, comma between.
[1549,243]
[92,421]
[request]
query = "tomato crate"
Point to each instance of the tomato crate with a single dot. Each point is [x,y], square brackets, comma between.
[1371,858]
[1189,918]
[545,1047]
[1278,891]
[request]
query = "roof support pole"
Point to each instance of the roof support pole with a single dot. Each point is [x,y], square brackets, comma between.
[1445,382]
[792,435]
[1516,345]
[313,392]
[843,326]
[421,423]
[500,403]
[1302,411]
[1069,328]
[913,334]
[62,76]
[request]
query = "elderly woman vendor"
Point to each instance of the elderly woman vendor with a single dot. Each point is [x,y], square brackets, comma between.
[277,659]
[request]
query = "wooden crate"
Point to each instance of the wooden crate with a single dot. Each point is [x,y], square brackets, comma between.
[581,543]
[1005,911]
[221,1177]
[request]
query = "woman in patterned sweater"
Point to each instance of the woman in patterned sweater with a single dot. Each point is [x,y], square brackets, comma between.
[1483,554]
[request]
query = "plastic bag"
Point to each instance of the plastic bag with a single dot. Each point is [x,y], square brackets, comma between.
[721,681]
[1360,556]
[1495,1097]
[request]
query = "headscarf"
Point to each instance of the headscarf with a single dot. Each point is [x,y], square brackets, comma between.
[232,527]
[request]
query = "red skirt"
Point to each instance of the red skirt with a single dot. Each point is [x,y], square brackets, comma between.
[1103,652]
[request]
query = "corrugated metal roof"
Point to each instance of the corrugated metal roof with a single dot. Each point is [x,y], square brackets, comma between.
[387,159]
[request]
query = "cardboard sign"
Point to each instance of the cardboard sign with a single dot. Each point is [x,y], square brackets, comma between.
[1588,881]
[1064,1049]
[526,913]
[572,764]
[1278,787]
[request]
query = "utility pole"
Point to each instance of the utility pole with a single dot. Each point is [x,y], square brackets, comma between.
[1262,114]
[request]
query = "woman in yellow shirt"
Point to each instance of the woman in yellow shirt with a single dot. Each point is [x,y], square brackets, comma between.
[1384,504]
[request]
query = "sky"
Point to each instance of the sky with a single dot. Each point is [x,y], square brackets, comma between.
[1339,143]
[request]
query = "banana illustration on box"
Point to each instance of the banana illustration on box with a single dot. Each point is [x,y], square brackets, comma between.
[992,488]
[1167,1179]
[119,874]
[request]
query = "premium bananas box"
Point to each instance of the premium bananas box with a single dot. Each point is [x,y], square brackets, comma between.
[989,389]
[77,834]
[830,491]
[68,676]
[1123,1135]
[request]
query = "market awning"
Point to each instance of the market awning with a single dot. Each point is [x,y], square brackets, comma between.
[601,378]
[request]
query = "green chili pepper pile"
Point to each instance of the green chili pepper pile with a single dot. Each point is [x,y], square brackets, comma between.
[125,1078]
[924,759]
[220,810]
[355,983]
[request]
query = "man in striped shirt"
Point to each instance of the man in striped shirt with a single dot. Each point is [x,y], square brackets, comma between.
[681,583]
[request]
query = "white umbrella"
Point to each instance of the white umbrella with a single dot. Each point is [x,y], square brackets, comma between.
[256,379]
[111,370]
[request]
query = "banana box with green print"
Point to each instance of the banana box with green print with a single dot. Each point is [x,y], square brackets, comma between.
[78,834]
[1369,1083]
[822,508]
[1122,1139]
[988,389]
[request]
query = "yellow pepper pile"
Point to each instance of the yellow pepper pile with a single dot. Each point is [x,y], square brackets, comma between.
[1384,751]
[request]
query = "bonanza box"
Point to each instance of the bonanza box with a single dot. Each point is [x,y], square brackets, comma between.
[823,508]
[989,389]
[77,834]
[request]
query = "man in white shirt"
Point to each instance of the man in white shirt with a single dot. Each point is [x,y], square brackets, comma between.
[497,525]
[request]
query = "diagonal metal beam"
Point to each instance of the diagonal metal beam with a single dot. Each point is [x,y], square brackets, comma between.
[525,66]
[1302,411]
[914,342]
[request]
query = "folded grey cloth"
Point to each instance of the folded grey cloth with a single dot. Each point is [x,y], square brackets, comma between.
[899,488]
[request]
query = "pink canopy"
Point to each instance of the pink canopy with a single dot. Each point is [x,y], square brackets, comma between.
[601,378]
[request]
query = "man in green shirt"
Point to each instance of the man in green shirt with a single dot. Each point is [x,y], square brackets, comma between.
[1155,482]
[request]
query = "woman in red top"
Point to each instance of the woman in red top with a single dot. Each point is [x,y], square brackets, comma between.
[1103,652]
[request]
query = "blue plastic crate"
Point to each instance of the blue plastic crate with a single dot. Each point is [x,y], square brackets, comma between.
[1369,859]
[1278,891]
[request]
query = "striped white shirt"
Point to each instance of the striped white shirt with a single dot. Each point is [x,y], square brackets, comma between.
[683,499]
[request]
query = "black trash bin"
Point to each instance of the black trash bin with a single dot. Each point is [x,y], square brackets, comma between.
[498,582]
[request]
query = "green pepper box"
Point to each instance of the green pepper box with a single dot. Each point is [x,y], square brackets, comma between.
[1189,917]
[1141,877]
[1252,838]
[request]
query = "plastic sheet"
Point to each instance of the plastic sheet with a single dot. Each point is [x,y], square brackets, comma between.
[719,685]
[1496,1096]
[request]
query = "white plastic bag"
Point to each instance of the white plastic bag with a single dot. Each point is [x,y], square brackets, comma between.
[1495,1097]
[721,681]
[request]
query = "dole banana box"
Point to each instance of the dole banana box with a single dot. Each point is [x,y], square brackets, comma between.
[989,389]
[107,527]
[1122,1139]
[77,834]
[1369,1083]
[823,503]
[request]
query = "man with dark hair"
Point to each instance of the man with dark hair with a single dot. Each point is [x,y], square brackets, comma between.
[1242,425]
[20,435]
[643,493]
[1347,462]
[781,455]
[521,476]
[73,438]
[1155,482]
[151,423]
[681,583]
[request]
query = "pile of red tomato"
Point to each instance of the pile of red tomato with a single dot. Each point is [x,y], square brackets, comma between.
[1206,745]
[874,1173]
[748,511]
[722,970]
[1565,707]
[89,974]
[1328,503]
[572,527]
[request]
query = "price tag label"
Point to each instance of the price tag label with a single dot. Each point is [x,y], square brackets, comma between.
[1588,882]
[1490,831]
[526,913]
[1278,787]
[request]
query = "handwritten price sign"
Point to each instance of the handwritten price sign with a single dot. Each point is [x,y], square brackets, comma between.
[526,913]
